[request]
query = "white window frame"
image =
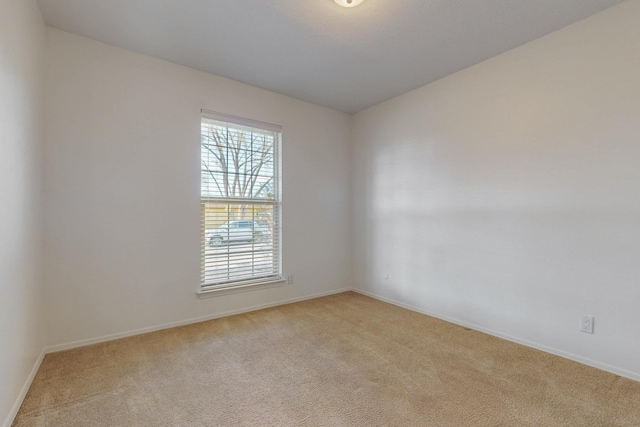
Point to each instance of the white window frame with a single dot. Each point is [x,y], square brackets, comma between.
[211,289]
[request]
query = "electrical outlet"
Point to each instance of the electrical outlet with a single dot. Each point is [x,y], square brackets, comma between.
[290,280]
[586,324]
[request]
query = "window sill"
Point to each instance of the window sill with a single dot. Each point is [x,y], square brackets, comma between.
[210,293]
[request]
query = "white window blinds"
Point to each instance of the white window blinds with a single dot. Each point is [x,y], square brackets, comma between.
[240,202]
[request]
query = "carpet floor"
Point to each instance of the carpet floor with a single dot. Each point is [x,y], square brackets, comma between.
[342,360]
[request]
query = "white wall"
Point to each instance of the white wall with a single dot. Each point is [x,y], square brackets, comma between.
[122,190]
[22,44]
[507,196]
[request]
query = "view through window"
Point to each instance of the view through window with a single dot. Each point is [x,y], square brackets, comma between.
[240,202]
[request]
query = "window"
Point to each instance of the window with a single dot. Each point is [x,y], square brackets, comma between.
[239,202]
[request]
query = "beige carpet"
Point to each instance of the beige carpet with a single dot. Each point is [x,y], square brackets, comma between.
[343,360]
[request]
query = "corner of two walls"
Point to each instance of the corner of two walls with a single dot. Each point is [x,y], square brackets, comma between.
[505,196]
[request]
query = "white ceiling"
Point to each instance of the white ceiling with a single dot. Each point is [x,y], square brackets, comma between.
[315,50]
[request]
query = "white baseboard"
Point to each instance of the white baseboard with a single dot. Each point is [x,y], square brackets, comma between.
[23,392]
[52,349]
[82,343]
[14,410]
[585,361]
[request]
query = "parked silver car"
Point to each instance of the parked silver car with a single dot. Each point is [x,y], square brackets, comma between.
[237,231]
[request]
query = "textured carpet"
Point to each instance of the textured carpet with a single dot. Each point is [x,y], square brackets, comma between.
[343,360]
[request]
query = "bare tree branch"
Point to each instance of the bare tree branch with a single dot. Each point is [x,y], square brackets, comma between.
[238,158]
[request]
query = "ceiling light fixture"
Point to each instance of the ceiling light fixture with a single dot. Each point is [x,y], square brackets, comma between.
[348,3]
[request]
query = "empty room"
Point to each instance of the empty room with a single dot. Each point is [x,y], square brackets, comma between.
[319,213]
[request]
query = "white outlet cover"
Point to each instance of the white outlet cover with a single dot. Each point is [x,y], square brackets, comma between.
[586,324]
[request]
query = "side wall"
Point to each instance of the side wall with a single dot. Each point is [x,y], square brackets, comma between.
[122,191]
[22,45]
[506,196]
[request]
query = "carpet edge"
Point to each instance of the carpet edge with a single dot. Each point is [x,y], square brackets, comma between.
[551,350]
[13,412]
[115,336]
